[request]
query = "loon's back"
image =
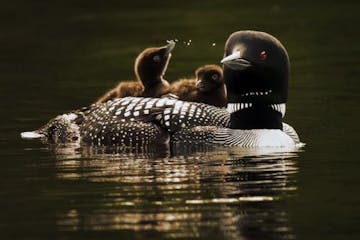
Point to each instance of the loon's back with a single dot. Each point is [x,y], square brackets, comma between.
[134,120]
[197,123]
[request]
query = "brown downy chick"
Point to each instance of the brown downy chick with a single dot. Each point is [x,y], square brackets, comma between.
[123,89]
[150,68]
[208,87]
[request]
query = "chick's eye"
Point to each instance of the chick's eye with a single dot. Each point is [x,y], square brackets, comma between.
[262,55]
[156,58]
[215,77]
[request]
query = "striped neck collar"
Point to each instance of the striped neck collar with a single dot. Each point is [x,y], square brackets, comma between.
[234,107]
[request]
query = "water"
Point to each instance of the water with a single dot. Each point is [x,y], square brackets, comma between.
[58,56]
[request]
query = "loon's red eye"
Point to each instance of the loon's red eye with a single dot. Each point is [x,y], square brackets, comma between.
[262,55]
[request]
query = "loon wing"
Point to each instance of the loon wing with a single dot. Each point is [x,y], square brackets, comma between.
[128,108]
[169,113]
[126,121]
[195,135]
[119,132]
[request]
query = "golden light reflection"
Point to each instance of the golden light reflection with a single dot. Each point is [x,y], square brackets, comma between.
[180,195]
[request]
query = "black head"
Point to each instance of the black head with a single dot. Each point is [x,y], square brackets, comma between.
[209,77]
[256,68]
[151,64]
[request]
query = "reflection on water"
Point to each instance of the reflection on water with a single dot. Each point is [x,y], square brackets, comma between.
[233,193]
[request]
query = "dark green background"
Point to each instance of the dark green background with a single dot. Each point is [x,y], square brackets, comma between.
[60,55]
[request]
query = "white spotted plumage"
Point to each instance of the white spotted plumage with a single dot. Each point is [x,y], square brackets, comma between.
[133,120]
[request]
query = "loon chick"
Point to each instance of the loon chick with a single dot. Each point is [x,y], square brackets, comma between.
[207,87]
[150,68]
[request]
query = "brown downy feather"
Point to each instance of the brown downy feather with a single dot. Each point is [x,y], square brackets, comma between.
[150,67]
[208,87]
[123,89]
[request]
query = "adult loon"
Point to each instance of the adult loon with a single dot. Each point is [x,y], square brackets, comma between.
[207,87]
[150,67]
[256,69]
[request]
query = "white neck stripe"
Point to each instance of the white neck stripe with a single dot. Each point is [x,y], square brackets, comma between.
[234,107]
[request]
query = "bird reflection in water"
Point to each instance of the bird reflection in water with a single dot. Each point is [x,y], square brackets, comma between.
[235,193]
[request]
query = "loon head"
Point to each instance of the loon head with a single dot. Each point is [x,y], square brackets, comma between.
[256,73]
[209,77]
[151,64]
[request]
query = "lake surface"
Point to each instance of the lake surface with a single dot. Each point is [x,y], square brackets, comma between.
[58,56]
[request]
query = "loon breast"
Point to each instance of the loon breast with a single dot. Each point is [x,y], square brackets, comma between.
[253,138]
[236,137]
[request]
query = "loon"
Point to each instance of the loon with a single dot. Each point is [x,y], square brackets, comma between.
[256,70]
[150,67]
[207,87]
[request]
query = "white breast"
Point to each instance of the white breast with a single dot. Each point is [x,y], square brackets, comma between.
[253,138]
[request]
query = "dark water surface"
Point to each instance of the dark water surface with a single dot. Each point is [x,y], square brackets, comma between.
[57,56]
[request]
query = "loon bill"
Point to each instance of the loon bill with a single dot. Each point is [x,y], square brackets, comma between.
[141,121]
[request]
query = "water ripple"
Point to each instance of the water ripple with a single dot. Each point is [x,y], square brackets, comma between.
[179,194]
